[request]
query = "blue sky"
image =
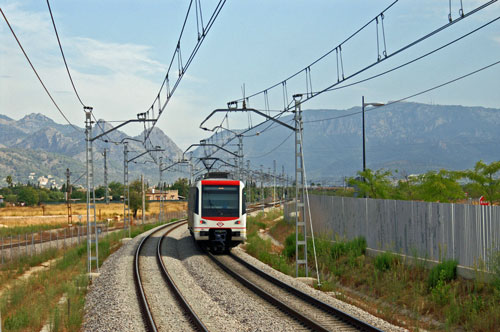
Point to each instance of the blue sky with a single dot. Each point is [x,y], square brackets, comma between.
[118,52]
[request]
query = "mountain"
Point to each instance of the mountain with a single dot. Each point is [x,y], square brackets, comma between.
[409,137]
[36,144]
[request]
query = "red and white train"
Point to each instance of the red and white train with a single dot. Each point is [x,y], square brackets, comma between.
[217,212]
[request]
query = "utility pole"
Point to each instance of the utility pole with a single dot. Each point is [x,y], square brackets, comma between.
[126,190]
[274,181]
[160,215]
[68,197]
[262,186]
[300,207]
[240,157]
[92,235]
[283,183]
[143,198]
[105,154]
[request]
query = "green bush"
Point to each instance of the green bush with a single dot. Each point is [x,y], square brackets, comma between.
[384,261]
[354,248]
[17,321]
[289,250]
[444,271]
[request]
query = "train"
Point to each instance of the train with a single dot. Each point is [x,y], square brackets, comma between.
[217,212]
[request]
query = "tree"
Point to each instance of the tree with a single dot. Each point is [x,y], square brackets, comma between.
[136,197]
[440,186]
[8,179]
[28,195]
[115,190]
[483,181]
[182,186]
[374,185]
[43,196]
[100,192]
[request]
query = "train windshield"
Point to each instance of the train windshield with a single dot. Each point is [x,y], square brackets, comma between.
[220,201]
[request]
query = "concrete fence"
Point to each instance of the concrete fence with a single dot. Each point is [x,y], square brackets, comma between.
[435,231]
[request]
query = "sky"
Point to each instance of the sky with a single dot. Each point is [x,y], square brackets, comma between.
[118,52]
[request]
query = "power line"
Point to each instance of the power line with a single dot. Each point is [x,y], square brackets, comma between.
[274,149]
[36,73]
[411,96]
[337,51]
[416,59]
[64,58]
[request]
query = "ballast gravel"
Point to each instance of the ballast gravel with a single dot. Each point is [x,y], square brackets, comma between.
[111,303]
[221,303]
[345,307]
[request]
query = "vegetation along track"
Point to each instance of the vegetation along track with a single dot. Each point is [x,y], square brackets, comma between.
[311,312]
[147,313]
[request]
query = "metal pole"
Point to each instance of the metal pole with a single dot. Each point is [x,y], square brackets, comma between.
[143,198]
[274,181]
[300,215]
[160,215]
[363,118]
[106,176]
[262,186]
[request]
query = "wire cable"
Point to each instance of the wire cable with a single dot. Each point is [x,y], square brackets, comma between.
[274,149]
[416,59]
[67,70]
[411,96]
[38,76]
[64,58]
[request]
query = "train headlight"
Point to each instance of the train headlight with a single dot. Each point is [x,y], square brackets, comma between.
[202,222]
[237,222]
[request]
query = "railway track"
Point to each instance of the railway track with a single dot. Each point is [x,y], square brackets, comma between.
[311,312]
[147,311]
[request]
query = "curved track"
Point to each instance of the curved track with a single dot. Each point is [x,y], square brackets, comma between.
[313,313]
[144,304]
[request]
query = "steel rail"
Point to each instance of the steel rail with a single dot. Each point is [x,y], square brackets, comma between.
[353,321]
[169,280]
[143,301]
[270,298]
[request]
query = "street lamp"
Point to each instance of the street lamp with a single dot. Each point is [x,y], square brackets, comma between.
[363,116]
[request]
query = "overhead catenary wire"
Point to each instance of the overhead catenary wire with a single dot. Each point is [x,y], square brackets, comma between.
[68,71]
[411,96]
[378,61]
[64,58]
[38,76]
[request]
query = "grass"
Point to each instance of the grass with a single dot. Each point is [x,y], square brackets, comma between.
[384,285]
[29,304]
[57,213]
[21,230]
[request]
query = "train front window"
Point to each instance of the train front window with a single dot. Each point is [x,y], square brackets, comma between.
[220,201]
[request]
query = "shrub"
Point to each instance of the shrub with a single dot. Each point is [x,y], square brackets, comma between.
[289,250]
[357,246]
[444,271]
[384,261]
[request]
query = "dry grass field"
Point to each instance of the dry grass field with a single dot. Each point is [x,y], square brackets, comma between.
[58,214]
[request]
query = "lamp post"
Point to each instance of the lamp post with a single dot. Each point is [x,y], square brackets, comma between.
[363,117]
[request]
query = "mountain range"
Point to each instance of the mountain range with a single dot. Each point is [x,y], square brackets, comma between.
[36,144]
[411,138]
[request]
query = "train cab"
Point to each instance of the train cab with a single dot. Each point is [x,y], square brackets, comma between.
[217,212]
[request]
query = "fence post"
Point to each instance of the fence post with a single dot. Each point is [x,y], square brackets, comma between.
[11,248]
[78,232]
[26,243]
[32,242]
[2,255]
[64,241]
[50,239]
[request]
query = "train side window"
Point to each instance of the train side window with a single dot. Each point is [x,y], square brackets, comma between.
[197,202]
[244,202]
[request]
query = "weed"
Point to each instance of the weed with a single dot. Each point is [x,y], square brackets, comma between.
[445,271]
[385,261]
[440,293]
[17,321]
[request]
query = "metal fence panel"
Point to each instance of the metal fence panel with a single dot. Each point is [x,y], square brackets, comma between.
[437,231]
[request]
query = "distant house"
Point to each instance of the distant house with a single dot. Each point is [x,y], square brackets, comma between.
[155,195]
[1,199]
